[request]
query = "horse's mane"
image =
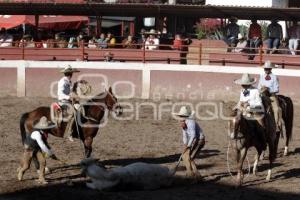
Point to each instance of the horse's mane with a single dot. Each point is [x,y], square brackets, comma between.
[98,98]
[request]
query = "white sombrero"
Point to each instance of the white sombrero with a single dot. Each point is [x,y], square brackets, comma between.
[185,112]
[43,123]
[245,80]
[152,32]
[69,69]
[268,65]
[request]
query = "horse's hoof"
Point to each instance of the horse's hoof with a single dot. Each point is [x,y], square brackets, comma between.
[286,151]
[268,178]
[71,139]
[20,176]
[47,170]
[43,182]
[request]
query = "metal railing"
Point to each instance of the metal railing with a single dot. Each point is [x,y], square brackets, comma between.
[107,1]
[186,54]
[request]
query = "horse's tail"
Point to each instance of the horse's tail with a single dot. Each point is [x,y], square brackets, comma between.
[288,115]
[290,118]
[22,126]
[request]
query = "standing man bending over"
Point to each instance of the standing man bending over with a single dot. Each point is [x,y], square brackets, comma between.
[193,140]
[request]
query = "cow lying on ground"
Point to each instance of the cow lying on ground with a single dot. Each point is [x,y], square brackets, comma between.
[136,176]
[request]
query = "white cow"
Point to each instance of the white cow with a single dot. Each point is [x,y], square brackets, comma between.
[137,175]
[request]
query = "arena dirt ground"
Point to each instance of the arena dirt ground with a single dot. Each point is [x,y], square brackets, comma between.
[148,140]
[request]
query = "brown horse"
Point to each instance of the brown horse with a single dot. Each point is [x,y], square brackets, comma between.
[87,124]
[287,107]
[246,132]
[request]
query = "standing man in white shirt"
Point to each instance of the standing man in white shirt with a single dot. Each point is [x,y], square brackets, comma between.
[36,146]
[250,100]
[65,99]
[270,80]
[193,140]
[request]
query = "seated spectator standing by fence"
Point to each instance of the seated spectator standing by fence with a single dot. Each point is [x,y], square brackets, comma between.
[255,37]
[274,33]
[177,43]
[129,43]
[60,41]
[294,36]
[92,42]
[241,45]
[152,42]
[232,31]
[102,43]
[142,39]
[111,41]
[5,38]
[72,43]
[27,42]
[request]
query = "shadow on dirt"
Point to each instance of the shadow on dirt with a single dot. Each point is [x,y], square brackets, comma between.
[181,189]
[159,160]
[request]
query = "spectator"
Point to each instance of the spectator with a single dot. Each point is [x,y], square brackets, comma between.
[111,41]
[294,36]
[129,43]
[102,43]
[5,38]
[109,57]
[142,39]
[152,42]
[274,33]
[241,45]
[178,42]
[255,38]
[60,41]
[39,42]
[72,43]
[92,42]
[27,41]
[232,31]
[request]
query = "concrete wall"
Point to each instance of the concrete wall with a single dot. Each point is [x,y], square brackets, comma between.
[138,80]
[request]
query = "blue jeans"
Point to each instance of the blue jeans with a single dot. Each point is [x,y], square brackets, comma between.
[273,43]
[255,43]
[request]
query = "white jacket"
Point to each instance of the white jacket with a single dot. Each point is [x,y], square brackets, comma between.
[64,89]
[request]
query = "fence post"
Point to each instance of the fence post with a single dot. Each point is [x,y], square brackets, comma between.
[168,60]
[144,52]
[82,50]
[200,53]
[260,55]
[223,62]
[23,50]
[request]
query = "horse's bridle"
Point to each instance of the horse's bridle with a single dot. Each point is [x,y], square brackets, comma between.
[115,103]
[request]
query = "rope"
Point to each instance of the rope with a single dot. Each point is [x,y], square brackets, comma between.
[77,128]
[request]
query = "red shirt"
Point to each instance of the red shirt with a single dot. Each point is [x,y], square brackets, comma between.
[254,31]
[177,44]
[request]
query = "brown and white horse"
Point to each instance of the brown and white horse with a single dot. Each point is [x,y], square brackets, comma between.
[244,133]
[86,126]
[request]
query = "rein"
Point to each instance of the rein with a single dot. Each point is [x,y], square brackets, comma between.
[100,106]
